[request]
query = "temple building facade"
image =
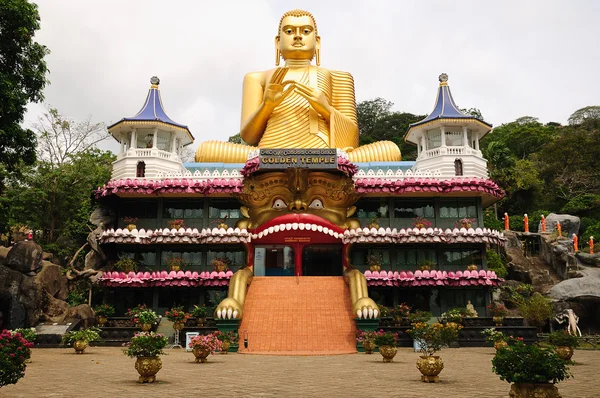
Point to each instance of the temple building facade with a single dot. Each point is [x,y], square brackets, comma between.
[414,229]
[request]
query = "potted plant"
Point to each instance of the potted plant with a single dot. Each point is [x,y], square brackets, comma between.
[220,223]
[564,342]
[103,311]
[454,315]
[204,345]
[175,263]
[226,339]
[495,337]
[145,319]
[126,265]
[419,317]
[400,313]
[537,310]
[130,221]
[384,311]
[374,222]
[200,313]
[426,265]
[178,316]
[465,223]
[386,341]
[374,262]
[15,350]
[176,224]
[430,339]
[79,339]
[146,347]
[472,267]
[498,312]
[221,264]
[533,370]
[421,222]
[367,340]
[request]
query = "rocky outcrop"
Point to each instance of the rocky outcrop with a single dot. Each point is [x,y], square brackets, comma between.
[585,287]
[569,224]
[34,290]
[25,257]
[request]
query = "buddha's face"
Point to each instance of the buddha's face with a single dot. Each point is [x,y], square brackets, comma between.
[277,194]
[297,38]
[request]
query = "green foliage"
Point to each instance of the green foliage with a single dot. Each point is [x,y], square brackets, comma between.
[126,264]
[14,351]
[146,344]
[87,335]
[520,363]
[200,311]
[376,122]
[515,296]
[455,314]
[537,310]
[432,338]
[145,317]
[22,80]
[495,263]
[236,139]
[76,297]
[28,334]
[104,310]
[490,220]
[227,337]
[492,335]
[563,338]
[589,115]
[419,316]
[386,338]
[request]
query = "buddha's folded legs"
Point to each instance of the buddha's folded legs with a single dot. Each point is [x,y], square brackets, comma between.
[219,151]
[381,151]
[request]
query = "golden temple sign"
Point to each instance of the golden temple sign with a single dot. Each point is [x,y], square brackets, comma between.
[323,158]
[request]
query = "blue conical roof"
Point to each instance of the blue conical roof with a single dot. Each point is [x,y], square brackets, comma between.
[445,107]
[153,109]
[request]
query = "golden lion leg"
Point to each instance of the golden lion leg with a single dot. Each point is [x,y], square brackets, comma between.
[362,305]
[381,151]
[233,306]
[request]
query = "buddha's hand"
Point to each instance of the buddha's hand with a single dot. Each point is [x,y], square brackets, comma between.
[316,98]
[229,308]
[277,89]
[366,308]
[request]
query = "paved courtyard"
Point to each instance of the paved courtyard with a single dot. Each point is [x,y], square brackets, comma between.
[106,372]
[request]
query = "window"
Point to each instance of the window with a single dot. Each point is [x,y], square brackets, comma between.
[238,258]
[140,170]
[458,258]
[223,211]
[414,208]
[192,211]
[409,258]
[191,259]
[458,167]
[371,208]
[434,139]
[458,208]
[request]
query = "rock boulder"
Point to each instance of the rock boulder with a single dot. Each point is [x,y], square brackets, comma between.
[569,224]
[25,257]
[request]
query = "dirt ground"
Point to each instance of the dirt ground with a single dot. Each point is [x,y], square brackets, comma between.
[107,372]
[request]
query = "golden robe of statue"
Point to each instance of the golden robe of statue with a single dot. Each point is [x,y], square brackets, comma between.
[298,106]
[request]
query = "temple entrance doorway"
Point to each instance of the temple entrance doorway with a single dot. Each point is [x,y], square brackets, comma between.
[322,260]
[274,260]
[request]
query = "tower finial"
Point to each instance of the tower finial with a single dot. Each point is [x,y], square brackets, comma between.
[443,78]
[155,81]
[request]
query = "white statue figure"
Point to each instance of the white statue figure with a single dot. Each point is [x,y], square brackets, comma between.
[573,321]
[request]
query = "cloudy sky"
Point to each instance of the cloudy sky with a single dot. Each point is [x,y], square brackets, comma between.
[507,58]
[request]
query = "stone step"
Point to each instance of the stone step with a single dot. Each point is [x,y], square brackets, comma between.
[299,316]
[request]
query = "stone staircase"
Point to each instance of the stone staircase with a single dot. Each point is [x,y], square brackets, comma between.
[307,315]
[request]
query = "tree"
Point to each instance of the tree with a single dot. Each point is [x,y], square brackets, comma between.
[236,139]
[377,122]
[473,112]
[588,114]
[22,79]
[60,138]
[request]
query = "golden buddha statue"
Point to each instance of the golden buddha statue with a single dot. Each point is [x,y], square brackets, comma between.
[299,105]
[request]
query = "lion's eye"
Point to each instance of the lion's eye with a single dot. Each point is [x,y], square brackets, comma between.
[316,204]
[279,204]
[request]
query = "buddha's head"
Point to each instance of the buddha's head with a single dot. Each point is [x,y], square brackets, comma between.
[267,196]
[297,37]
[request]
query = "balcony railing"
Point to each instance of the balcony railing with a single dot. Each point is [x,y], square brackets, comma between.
[449,150]
[149,152]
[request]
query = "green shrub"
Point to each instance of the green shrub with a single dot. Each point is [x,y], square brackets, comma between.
[386,338]
[76,297]
[490,220]
[563,338]
[104,310]
[495,263]
[28,334]
[419,316]
[432,338]
[520,363]
[145,317]
[200,311]
[14,351]
[87,335]
[537,310]
[145,344]
[455,314]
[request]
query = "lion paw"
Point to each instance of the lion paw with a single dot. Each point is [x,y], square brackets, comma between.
[229,309]
[365,308]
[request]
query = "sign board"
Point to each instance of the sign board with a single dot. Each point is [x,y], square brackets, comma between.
[322,158]
[188,339]
[296,239]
